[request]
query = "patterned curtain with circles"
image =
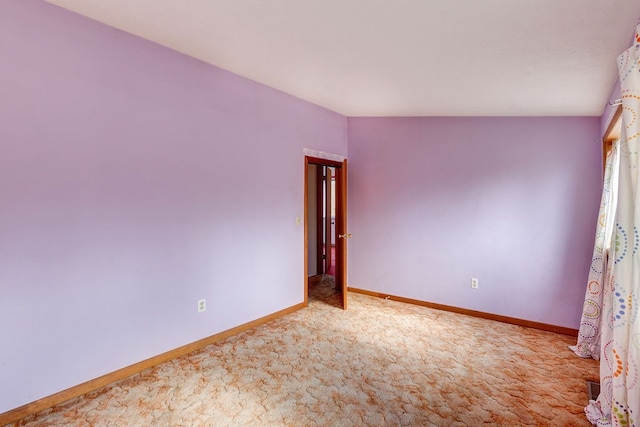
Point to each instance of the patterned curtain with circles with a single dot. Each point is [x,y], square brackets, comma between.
[619,400]
[588,344]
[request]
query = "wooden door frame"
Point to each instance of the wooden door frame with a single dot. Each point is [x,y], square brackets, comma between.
[319,224]
[338,166]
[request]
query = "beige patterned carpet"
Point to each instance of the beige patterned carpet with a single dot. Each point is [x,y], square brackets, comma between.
[381,363]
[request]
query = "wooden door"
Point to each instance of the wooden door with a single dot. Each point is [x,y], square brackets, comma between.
[340,227]
[341,231]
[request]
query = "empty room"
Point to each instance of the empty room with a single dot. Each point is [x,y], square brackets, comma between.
[319,213]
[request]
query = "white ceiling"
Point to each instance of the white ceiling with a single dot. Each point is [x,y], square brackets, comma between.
[400,57]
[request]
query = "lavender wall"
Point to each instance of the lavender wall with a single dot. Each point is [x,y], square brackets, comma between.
[511,201]
[133,182]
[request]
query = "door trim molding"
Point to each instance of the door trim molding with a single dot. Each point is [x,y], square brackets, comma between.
[309,152]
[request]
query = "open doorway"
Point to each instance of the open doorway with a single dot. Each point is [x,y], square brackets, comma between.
[325,231]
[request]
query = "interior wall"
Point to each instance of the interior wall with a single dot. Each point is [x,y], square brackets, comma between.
[513,202]
[135,181]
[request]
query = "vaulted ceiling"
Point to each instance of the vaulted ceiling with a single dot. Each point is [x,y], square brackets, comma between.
[400,57]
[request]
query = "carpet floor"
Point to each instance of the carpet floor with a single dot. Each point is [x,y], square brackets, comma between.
[380,363]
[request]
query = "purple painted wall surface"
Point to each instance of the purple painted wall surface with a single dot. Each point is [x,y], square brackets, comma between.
[434,202]
[134,181]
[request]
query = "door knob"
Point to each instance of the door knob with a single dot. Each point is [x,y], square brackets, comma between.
[345,236]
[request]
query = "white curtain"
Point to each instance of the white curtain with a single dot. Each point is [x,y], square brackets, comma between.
[588,344]
[619,328]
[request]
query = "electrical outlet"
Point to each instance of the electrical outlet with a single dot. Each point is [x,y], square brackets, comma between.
[474,283]
[202,305]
